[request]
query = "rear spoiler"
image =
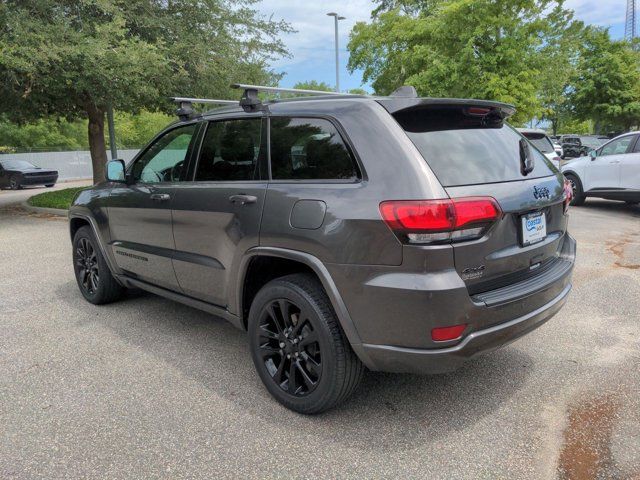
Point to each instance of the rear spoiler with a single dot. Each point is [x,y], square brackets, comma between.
[395,104]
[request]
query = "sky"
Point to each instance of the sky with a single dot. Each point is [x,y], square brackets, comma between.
[312,46]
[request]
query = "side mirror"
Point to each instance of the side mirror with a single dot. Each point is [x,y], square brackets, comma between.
[115,171]
[593,154]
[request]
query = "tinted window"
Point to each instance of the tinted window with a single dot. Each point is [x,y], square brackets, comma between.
[309,149]
[230,151]
[164,161]
[616,147]
[464,149]
[636,149]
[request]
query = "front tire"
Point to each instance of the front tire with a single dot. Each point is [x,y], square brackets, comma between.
[298,347]
[94,278]
[14,183]
[49,185]
[578,195]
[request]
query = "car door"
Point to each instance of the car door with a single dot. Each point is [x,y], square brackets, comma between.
[630,167]
[216,217]
[140,212]
[603,172]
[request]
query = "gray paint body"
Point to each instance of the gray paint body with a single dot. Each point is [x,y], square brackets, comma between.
[196,246]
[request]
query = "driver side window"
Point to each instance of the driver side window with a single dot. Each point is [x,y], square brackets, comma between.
[616,147]
[165,159]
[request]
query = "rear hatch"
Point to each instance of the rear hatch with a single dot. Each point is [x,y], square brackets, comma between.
[474,153]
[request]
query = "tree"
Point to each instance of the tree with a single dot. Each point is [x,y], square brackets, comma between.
[314,85]
[490,49]
[358,91]
[73,58]
[606,85]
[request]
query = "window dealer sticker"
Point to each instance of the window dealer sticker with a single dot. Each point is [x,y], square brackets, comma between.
[534,228]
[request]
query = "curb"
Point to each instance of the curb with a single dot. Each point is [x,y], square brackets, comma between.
[51,211]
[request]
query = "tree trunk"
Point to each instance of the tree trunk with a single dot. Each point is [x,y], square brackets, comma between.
[96,142]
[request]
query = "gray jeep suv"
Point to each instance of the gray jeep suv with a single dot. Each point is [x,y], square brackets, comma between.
[400,234]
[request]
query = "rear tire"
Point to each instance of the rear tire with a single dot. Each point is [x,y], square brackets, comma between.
[578,195]
[94,278]
[50,185]
[298,347]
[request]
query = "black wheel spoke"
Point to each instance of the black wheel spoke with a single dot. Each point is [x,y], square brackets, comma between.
[308,339]
[314,367]
[267,351]
[292,384]
[274,316]
[266,333]
[286,313]
[305,377]
[277,376]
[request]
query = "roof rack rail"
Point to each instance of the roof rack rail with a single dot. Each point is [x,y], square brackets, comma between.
[260,88]
[185,105]
[251,103]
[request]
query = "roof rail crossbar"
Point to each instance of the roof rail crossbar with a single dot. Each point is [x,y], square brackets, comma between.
[260,88]
[185,105]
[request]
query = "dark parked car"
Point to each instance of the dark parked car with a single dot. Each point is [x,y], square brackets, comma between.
[15,174]
[397,233]
[579,145]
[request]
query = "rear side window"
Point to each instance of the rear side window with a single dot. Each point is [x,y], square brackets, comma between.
[541,142]
[230,151]
[309,149]
[467,149]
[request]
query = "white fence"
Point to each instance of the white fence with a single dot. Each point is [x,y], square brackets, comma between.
[70,165]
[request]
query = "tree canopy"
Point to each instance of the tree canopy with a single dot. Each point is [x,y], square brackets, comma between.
[73,58]
[462,48]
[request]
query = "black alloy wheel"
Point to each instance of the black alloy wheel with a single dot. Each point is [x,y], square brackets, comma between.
[14,183]
[290,347]
[95,281]
[87,269]
[298,347]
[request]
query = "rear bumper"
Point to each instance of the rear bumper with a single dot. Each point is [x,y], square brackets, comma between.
[397,359]
[395,311]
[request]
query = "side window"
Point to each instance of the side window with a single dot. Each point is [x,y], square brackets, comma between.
[617,147]
[230,151]
[309,149]
[164,161]
[636,149]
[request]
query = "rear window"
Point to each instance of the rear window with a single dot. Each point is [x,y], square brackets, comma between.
[466,149]
[541,142]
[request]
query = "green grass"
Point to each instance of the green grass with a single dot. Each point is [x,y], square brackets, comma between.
[56,199]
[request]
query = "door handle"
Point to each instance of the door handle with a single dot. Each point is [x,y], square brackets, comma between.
[614,161]
[243,199]
[160,197]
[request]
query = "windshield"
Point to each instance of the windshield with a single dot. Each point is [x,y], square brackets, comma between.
[16,164]
[463,149]
[541,142]
[591,141]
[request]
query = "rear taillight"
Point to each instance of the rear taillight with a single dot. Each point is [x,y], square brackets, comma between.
[567,194]
[443,220]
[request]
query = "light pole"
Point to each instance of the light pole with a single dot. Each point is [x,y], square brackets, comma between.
[336,18]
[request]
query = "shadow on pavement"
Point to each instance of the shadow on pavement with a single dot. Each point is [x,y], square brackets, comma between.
[387,412]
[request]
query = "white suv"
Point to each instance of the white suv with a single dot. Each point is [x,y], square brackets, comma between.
[612,171]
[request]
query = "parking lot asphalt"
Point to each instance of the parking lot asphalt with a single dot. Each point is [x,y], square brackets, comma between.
[147,388]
